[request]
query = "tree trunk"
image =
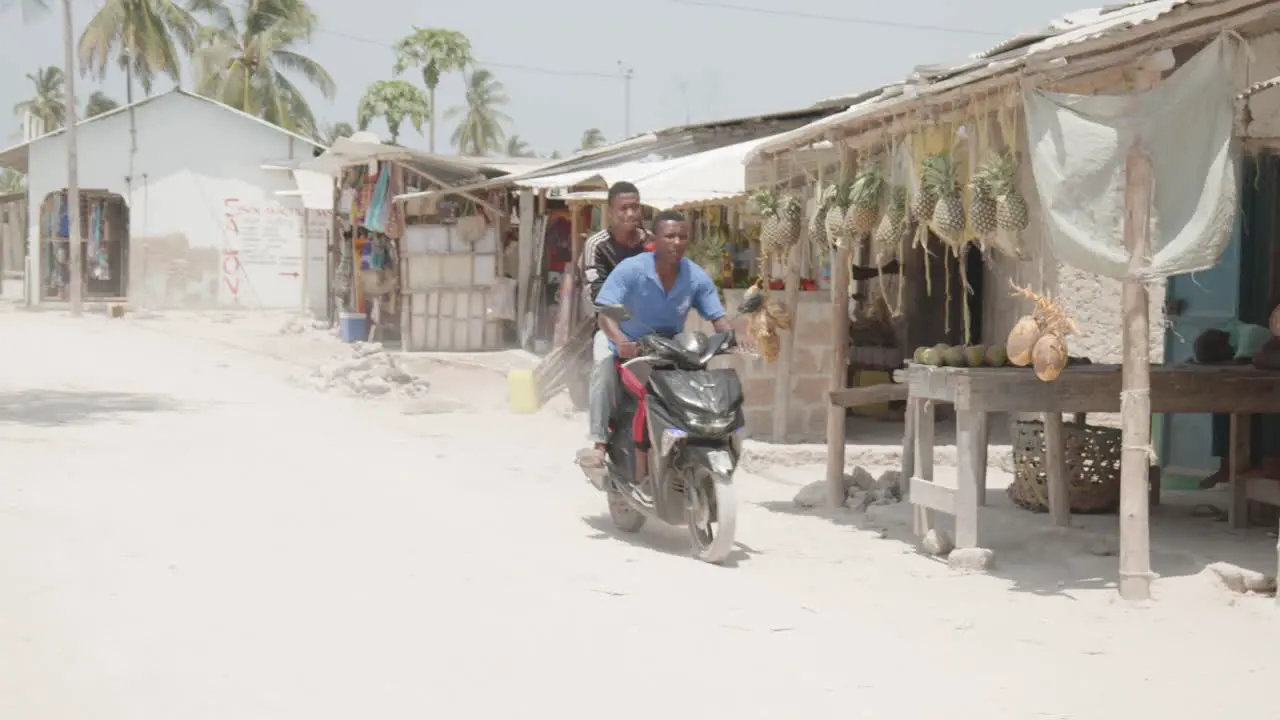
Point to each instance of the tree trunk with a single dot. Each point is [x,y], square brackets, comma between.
[431,120]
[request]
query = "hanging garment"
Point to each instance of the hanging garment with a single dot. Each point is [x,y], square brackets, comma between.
[395,216]
[376,218]
[1079,145]
[99,267]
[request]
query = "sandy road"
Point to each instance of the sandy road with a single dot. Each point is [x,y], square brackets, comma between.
[184,535]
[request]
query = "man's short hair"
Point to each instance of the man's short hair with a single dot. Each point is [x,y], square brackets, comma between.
[666,216]
[622,188]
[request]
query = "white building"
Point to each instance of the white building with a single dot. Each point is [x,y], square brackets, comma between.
[202,208]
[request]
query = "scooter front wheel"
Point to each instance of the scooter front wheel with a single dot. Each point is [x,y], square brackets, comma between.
[712,514]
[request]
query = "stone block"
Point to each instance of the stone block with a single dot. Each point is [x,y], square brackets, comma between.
[758,391]
[971,559]
[810,390]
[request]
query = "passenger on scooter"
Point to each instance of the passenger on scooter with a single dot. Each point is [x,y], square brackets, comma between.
[625,237]
[659,288]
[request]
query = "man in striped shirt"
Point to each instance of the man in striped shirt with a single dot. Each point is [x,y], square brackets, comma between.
[623,238]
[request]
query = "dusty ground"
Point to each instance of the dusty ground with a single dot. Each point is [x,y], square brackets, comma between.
[188,531]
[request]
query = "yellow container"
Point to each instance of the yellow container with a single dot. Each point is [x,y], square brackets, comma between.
[522,392]
[867,378]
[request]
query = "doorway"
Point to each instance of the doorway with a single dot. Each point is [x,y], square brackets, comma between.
[104,246]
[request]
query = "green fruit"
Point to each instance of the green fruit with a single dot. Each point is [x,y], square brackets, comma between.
[918,357]
[931,357]
[997,356]
[974,355]
[954,357]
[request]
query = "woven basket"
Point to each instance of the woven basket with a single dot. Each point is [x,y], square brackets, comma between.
[1093,467]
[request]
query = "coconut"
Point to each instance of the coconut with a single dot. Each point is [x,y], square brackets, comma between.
[931,356]
[997,356]
[974,355]
[918,356]
[954,357]
[1022,339]
[1050,356]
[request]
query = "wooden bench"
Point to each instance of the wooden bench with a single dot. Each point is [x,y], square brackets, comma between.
[870,395]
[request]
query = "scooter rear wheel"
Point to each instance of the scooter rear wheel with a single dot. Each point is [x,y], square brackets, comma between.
[625,518]
[711,514]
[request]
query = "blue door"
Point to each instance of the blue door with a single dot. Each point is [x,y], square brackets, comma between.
[1204,300]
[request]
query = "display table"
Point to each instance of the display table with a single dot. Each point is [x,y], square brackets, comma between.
[1237,390]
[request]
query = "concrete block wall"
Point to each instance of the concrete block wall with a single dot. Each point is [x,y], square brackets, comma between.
[810,372]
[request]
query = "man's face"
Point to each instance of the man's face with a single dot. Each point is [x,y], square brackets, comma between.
[625,213]
[672,238]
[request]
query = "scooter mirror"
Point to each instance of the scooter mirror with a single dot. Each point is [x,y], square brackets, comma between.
[616,313]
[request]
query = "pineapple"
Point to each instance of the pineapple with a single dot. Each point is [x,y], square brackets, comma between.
[839,205]
[1011,207]
[791,212]
[923,203]
[868,191]
[948,215]
[772,231]
[893,225]
[982,212]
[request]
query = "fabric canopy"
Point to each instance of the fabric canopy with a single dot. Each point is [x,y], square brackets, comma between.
[706,176]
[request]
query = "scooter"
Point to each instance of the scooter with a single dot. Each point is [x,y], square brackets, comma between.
[689,419]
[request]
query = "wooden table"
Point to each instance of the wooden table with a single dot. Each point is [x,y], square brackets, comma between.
[1237,390]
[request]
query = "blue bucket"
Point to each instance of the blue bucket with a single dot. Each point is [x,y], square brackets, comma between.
[353,327]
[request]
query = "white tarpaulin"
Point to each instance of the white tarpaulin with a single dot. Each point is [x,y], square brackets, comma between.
[1078,147]
[701,177]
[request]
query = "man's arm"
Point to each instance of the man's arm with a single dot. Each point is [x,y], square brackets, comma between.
[706,300]
[595,269]
[613,291]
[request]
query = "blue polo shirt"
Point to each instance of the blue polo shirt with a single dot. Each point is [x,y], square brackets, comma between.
[635,284]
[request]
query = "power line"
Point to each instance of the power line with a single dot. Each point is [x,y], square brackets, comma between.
[378,43]
[832,18]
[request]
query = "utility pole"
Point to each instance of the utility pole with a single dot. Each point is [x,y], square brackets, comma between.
[73,180]
[626,99]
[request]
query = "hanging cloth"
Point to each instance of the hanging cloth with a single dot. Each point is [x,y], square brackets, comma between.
[1078,147]
[376,219]
[99,268]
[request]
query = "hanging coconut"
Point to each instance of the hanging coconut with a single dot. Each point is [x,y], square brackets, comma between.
[1051,324]
[1022,340]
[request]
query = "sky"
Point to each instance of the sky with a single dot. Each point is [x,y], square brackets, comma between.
[559,59]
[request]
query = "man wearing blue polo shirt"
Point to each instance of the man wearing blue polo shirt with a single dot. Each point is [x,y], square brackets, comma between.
[659,288]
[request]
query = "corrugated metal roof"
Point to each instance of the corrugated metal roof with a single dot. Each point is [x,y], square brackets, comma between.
[1071,29]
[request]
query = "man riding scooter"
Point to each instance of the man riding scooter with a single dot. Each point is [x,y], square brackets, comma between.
[624,238]
[659,289]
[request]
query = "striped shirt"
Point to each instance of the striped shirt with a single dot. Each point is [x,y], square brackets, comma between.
[601,254]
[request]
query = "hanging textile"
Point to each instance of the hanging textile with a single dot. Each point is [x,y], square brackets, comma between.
[395,216]
[99,268]
[1078,148]
[376,218]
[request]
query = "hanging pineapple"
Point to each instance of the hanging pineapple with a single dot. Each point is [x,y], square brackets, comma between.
[926,198]
[1011,207]
[839,206]
[708,251]
[864,201]
[948,215]
[982,211]
[892,226]
[772,231]
[791,210]
[816,232]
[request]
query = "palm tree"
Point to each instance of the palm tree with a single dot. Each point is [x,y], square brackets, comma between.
[480,131]
[517,147]
[243,62]
[592,139]
[99,103]
[11,181]
[330,133]
[436,51]
[49,104]
[394,101]
[144,36]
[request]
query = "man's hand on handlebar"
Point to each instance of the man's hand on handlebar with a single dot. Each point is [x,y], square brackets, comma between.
[628,350]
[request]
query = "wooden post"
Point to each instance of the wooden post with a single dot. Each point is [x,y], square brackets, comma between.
[524,275]
[1055,462]
[1135,406]
[839,364]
